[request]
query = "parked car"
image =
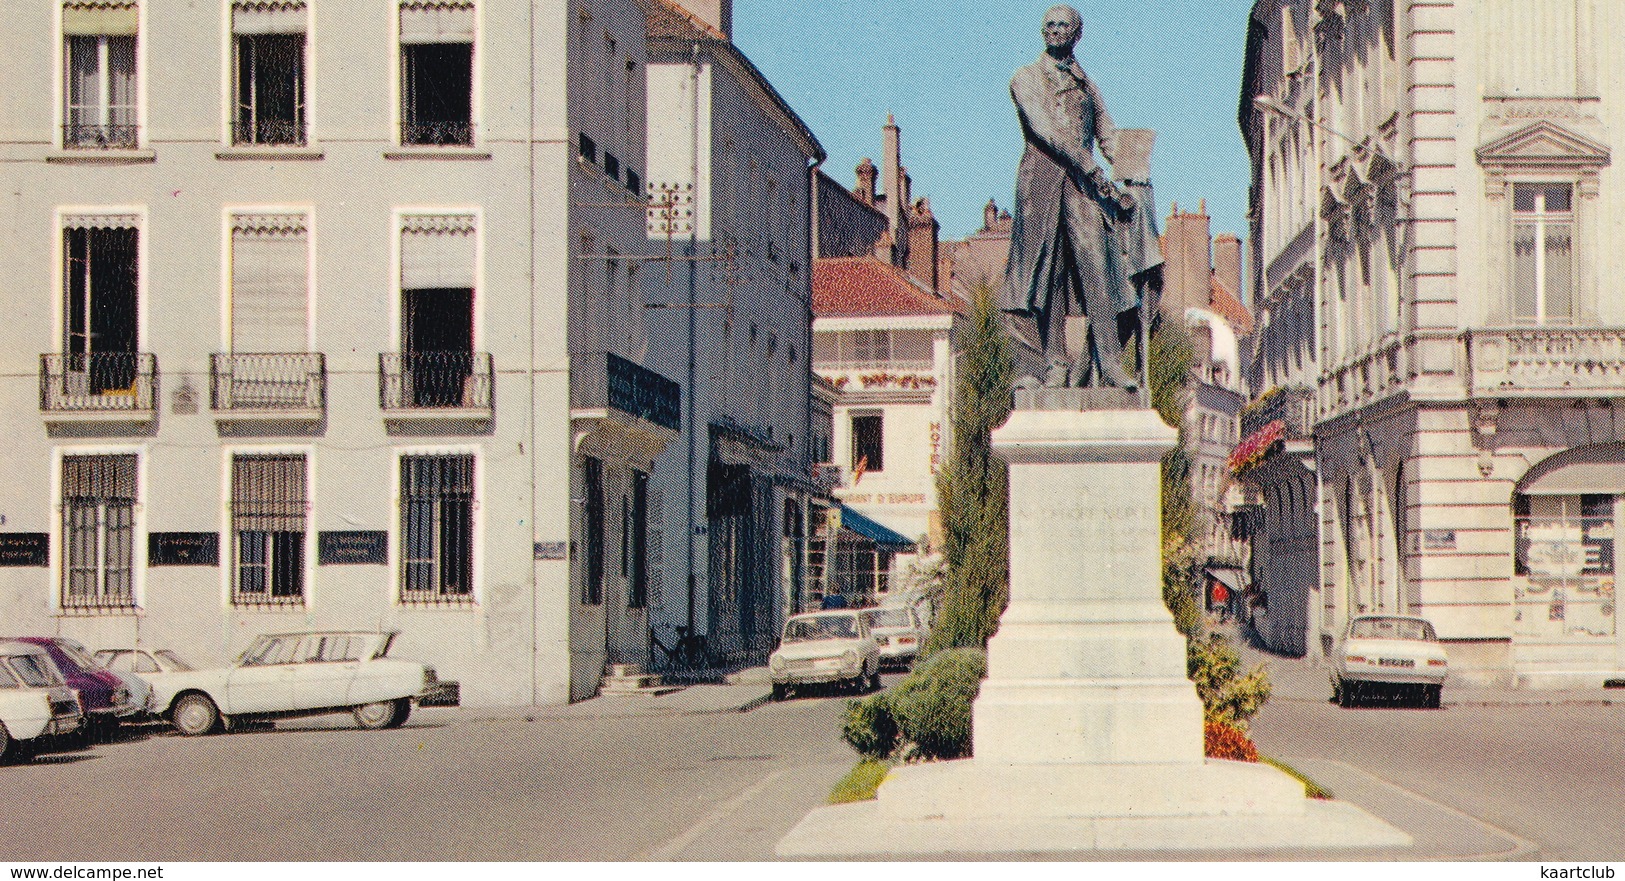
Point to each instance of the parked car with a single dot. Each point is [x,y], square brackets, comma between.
[142,662]
[914,598]
[35,701]
[1395,653]
[103,696]
[824,647]
[301,674]
[899,632]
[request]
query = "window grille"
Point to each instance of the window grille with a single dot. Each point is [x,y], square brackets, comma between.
[98,529]
[269,503]
[99,83]
[437,529]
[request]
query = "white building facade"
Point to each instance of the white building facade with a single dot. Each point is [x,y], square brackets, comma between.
[1447,209]
[325,320]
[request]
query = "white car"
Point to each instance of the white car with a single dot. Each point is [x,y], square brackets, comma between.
[899,632]
[140,669]
[1389,653]
[300,674]
[35,701]
[823,647]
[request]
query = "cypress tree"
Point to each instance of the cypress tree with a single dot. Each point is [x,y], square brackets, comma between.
[973,488]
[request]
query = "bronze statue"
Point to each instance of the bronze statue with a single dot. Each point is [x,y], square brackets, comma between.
[1066,254]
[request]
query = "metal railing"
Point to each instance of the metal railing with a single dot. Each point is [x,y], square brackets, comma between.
[1546,360]
[100,136]
[1294,405]
[434,380]
[269,132]
[268,381]
[98,382]
[459,133]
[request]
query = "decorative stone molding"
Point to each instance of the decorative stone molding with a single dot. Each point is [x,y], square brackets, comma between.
[1543,147]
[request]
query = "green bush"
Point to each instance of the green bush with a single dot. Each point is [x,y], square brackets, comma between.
[869,727]
[1228,695]
[932,705]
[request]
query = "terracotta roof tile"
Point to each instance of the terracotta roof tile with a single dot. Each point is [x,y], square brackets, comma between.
[865,286]
[1231,309]
[671,20]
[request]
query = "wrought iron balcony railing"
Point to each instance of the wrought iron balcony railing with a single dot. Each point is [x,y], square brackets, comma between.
[421,381]
[1293,405]
[606,380]
[275,382]
[269,133]
[101,382]
[1509,362]
[442,133]
[100,136]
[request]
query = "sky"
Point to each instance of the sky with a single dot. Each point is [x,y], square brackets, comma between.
[943,69]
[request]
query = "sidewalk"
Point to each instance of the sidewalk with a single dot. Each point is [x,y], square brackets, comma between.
[689,700]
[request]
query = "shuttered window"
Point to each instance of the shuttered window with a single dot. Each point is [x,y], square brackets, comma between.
[437,529]
[269,504]
[437,252]
[98,531]
[269,283]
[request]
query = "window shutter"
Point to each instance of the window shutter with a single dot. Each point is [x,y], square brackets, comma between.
[93,19]
[437,22]
[269,293]
[437,252]
[98,477]
[268,493]
[267,17]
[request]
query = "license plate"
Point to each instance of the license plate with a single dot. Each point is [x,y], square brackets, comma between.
[1395,662]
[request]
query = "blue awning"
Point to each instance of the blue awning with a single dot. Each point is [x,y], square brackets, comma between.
[869,529]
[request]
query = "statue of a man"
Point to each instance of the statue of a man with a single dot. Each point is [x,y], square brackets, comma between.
[1063,261]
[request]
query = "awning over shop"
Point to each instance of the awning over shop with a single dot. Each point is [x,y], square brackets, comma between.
[880,535]
[1226,575]
[1577,478]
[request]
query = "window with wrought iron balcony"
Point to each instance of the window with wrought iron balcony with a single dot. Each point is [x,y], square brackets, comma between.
[437,80]
[99,88]
[100,372]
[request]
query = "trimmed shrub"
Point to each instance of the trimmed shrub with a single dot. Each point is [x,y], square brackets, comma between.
[868,726]
[932,705]
[1228,695]
[1221,741]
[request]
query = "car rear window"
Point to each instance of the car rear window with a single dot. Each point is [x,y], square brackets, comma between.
[1391,628]
[173,660]
[6,679]
[889,618]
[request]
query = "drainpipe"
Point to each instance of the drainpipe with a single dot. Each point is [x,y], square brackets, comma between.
[691,252]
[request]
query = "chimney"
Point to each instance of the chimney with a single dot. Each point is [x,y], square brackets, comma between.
[891,171]
[990,215]
[718,14]
[866,182]
[921,257]
[1188,272]
[1227,262]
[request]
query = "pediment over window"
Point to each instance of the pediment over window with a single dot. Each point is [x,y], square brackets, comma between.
[1543,145]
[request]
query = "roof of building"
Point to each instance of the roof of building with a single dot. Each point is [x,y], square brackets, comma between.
[865,286]
[670,20]
[1230,308]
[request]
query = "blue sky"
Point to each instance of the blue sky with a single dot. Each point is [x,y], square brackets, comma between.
[944,70]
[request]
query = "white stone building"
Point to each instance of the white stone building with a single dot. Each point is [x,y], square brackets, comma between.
[340,328]
[1437,260]
[731,174]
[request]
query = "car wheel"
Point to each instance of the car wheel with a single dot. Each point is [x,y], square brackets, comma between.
[195,714]
[7,745]
[874,680]
[780,691]
[379,714]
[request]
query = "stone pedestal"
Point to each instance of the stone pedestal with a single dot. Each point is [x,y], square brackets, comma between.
[1087,732]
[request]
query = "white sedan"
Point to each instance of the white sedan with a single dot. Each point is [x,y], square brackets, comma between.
[35,701]
[822,647]
[300,674]
[899,632]
[1389,653]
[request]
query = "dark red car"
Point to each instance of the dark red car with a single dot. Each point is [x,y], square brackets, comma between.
[104,697]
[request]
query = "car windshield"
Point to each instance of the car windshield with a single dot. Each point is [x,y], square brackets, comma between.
[77,654]
[172,661]
[887,618]
[1391,628]
[7,680]
[821,627]
[29,669]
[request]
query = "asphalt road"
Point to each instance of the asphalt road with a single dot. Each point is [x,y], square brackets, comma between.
[1553,775]
[584,784]
[573,786]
